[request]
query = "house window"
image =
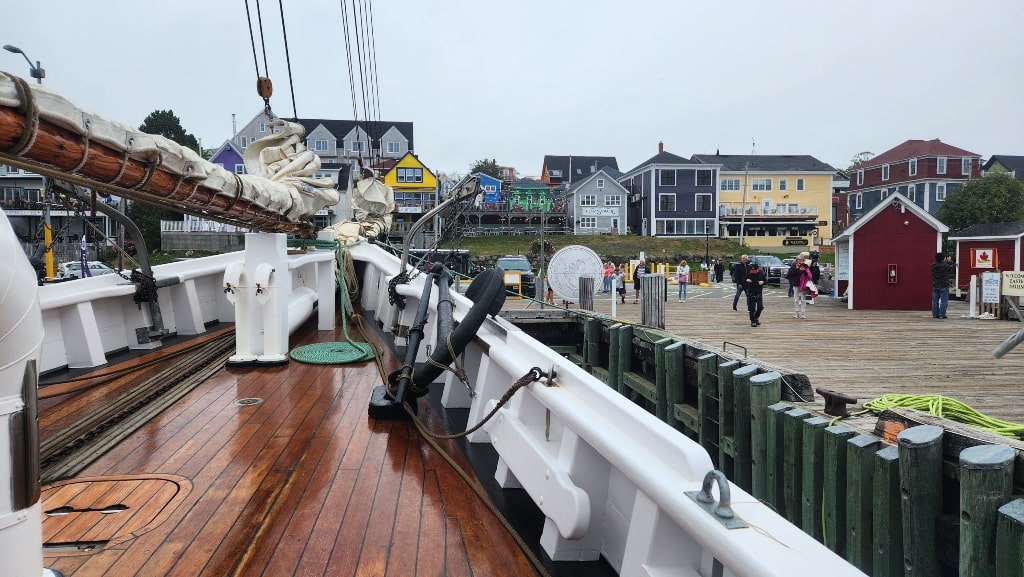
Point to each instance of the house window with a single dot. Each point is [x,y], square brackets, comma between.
[357,146]
[243,142]
[885,172]
[491,188]
[239,169]
[613,200]
[667,202]
[667,177]
[588,200]
[941,169]
[799,184]
[705,177]
[588,222]
[783,183]
[860,177]
[263,127]
[912,193]
[966,166]
[320,145]
[762,184]
[410,175]
[730,184]
[940,191]
[702,202]
[913,167]
[600,183]
[857,201]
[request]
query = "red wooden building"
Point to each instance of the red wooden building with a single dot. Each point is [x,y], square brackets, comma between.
[883,260]
[987,248]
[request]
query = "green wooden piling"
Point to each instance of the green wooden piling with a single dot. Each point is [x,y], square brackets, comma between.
[921,492]
[707,402]
[812,475]
[792,463]
[887,520]
[860,468]
[776,450]
[741,438]
[625,356]
[834,488]
[614,359]
[726,418]
[764,391]
[661,379]
[592,341]
[986,483]
[676,380]
[1010,540]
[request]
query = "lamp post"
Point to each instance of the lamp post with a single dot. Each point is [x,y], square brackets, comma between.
[35,71]
[707,245]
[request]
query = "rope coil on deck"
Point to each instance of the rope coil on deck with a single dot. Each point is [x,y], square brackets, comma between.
[947,408]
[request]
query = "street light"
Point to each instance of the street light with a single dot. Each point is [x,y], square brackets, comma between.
[36,71]
[707,245]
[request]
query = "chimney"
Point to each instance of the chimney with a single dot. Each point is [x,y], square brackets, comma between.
[661,146]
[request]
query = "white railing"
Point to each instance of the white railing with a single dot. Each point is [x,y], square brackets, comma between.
[610,478]
[736,209]
[199,226]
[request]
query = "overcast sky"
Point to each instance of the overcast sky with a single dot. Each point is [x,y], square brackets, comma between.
[514,81]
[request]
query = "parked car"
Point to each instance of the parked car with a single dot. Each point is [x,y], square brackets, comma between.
[73,269]
[774,268]
[516,262]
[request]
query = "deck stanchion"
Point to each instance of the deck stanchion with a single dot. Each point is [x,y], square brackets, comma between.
[586,286]
[792,462]
[921,489]
[860,452]
[887,522]
[986,482]
[652,300]
[812,475]
[835,488]
[764,391]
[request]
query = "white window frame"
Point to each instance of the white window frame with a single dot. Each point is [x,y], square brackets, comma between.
[321,145]
[239,169]
[263,127]
[702,196]
[761,185]
[357,146]
[730,184]
[588,200]
[600,183]
[940,192]
[857,202]
[799,184]
[783,184]
[394,147]
[613,200]
[588,222]
[913,167]
[965,164]
[940,165]
[709,176]
[662,173]
[662,197]
[885,172]
[860,177]
[912,192]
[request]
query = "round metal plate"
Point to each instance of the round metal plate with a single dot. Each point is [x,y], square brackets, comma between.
[568,266]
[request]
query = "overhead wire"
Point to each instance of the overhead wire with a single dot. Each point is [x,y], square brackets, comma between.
[288,61]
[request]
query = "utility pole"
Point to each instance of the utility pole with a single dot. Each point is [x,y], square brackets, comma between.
[743,205]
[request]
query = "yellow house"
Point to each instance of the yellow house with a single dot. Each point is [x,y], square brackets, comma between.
[415,189]
[781,203]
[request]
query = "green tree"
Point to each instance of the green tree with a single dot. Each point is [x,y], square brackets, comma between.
[857,160]
[147,217]
[994,198]
[488,167]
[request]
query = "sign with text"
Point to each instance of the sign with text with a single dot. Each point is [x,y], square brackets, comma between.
[1013,283]
[598,211]
[990,287]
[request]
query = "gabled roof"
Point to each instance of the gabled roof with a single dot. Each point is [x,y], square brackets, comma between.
[528,183]
[916,149]
[1015,163]
[895,197]
[581,165]
[600,173]
[228,145]
[991,230]
[375,128]
[765,163]
[662,158]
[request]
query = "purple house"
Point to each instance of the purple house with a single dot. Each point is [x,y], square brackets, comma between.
[229,157]
[672,196]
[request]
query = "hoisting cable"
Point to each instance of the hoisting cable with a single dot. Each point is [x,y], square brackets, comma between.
[264,87]
[288,61]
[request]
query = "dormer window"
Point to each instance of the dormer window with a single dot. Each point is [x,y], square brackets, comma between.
[966,166]
[885,172]
[941,165]
[913,167]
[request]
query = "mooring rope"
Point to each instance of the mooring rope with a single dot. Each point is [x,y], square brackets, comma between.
[947,408]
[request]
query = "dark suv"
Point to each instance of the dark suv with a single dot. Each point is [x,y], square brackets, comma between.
[773,268]
[521,264]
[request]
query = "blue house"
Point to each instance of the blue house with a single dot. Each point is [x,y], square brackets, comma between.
[491,188]
[672,196]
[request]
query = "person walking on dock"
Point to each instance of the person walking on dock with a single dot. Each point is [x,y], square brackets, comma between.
[739,276]
[799,274]
[683,277]
[641,269]
[943,273]
[754,282]
[619,280]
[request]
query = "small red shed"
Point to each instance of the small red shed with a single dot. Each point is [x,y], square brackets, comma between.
[884,259]
[987,248]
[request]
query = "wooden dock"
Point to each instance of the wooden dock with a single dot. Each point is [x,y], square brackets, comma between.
[863,354]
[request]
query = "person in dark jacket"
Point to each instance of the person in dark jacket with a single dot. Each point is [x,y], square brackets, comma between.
[739,276]
[943,273]
[754,286]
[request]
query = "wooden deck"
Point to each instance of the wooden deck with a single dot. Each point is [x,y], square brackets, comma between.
[300,483]
[864,354]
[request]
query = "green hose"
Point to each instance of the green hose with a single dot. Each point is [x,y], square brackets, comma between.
[946,408]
